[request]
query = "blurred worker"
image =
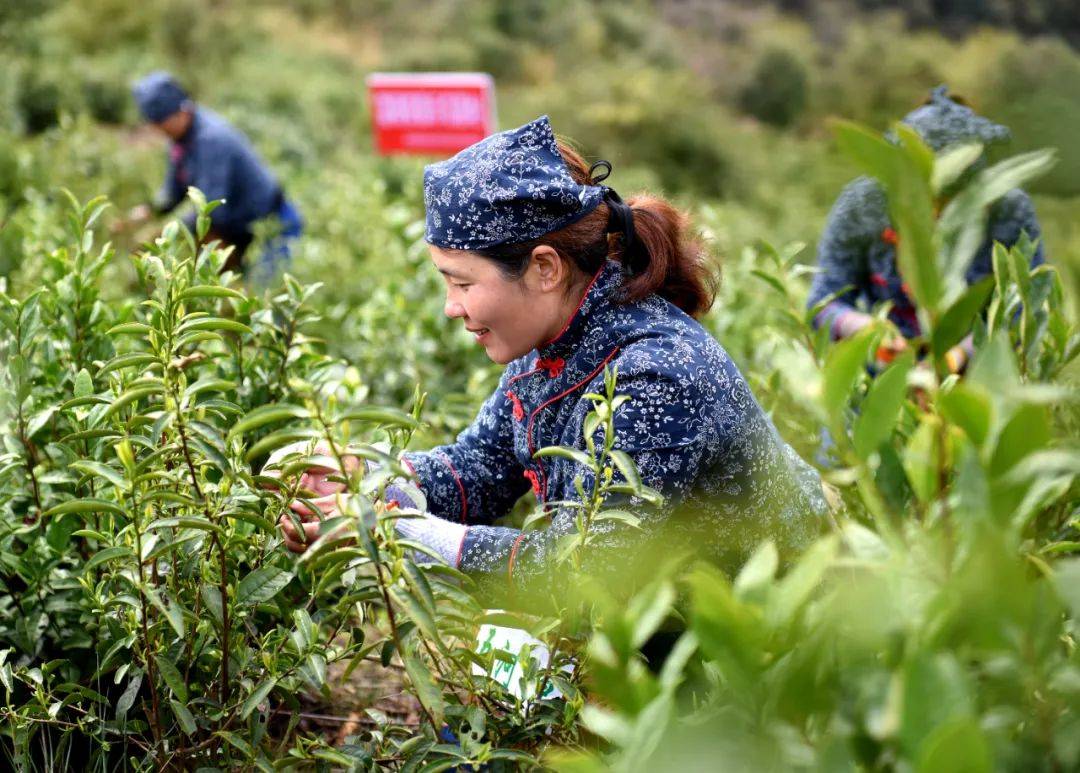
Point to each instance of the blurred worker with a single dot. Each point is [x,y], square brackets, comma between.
[214,157]
[857,251]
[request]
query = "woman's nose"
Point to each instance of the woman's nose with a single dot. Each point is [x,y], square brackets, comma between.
[453,309]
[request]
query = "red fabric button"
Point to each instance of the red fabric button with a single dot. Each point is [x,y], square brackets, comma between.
[534,480]
[518,411]
[553,366]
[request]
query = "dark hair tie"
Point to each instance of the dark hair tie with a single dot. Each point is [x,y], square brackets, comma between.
[620,214]
[593,178]
[620,218]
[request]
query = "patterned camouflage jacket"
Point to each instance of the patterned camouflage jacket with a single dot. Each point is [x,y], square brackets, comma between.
[691,425]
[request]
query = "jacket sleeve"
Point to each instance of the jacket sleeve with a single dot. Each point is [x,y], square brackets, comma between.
[668,448]
[841,254]
[1011,216]
[477,478]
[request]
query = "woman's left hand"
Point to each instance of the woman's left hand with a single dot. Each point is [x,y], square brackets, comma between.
[325,497]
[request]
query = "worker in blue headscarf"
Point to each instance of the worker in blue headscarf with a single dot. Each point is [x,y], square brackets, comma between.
[857,251]
[211,155]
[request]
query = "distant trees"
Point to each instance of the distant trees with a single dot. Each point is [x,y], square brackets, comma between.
[1058,17]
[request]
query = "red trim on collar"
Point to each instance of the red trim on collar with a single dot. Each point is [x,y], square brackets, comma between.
[542,495]
[529,372]
[889,235]
[457,480]
[576,310]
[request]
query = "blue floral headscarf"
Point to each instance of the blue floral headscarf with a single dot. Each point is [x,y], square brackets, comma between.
[943,123]
[508,188]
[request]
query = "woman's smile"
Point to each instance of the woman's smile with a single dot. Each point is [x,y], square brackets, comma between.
[481,333]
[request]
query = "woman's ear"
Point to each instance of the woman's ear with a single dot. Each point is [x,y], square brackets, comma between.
[549,270]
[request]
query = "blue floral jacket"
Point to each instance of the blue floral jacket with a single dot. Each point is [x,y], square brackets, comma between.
[691,425]
[858,251]
[858,248]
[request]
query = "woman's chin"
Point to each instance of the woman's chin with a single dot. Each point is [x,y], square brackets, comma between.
[502,355]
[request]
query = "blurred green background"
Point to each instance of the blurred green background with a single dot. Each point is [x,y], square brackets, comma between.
[724,106]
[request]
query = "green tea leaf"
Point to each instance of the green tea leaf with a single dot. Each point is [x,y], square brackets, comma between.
[210,291]
[427,689]
[267,414]
[262,585]
[88,505]
[969,408]
[958,746]
[99,470]
[877,415]
[843,365]
[172,611]
[572,454]
[215,324]
[171,676]
[84,384]
[391,417]
[108,554]
[183,716]
[627,467]
[956,322]
[129,397]
[922,459]
[622,516]
[258,695]
[759,571]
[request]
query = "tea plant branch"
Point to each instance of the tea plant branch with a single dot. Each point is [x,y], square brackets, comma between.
[148,659]
[31,460]
[391,617]
[223,581]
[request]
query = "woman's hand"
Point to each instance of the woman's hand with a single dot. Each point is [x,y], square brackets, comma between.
[325,494]
[890,349]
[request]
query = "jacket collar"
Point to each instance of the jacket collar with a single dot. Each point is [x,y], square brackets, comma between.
[598,297]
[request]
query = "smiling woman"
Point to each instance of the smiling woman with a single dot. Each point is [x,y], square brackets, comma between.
[562,281]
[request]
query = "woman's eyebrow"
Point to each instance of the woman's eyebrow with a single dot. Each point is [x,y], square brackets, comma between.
[451,274]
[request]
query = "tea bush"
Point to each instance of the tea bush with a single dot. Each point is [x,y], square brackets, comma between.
[149,612]
[776,93]
[151,615]
[935,627]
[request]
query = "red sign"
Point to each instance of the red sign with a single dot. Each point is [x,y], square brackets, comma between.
[430,113]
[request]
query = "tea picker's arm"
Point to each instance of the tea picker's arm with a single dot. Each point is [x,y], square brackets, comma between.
[842,258]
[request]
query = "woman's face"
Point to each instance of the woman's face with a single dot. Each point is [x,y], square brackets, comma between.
[508,317]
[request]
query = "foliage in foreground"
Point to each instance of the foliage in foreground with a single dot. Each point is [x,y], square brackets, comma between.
[149,614]
[935,628]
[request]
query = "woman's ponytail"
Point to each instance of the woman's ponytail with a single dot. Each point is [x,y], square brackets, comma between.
[665,258]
